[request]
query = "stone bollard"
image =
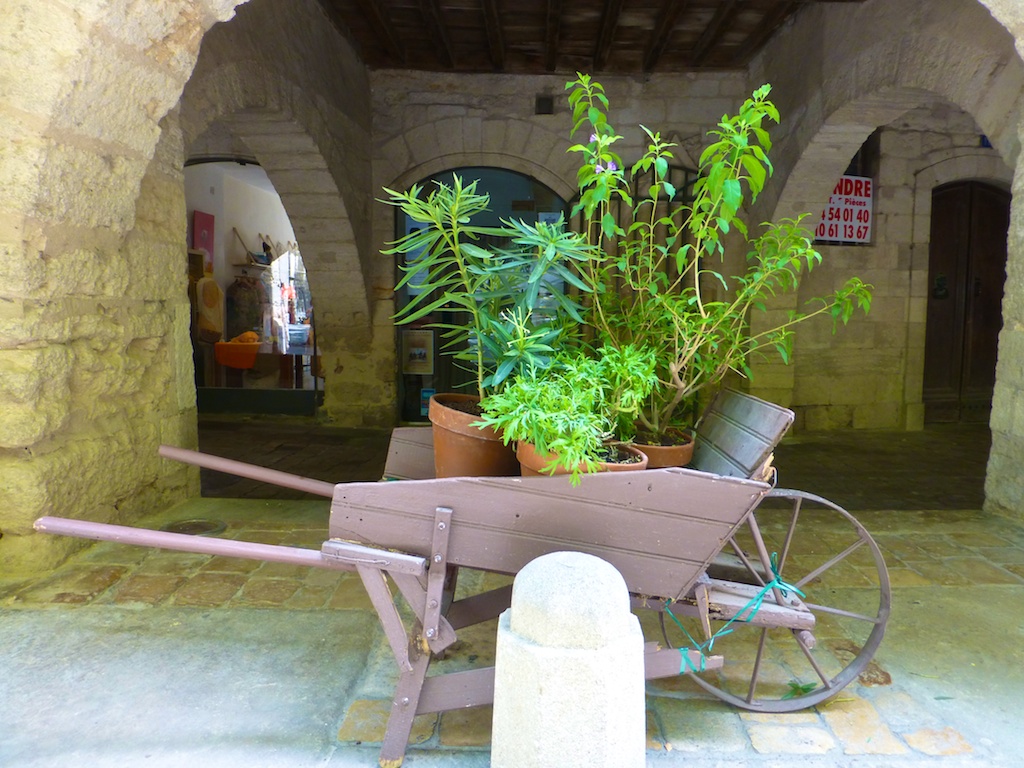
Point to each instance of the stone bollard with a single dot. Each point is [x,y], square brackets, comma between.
[569,677]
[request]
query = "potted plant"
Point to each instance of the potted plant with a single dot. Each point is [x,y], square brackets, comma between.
[576,415]
[662,284]
[509,308]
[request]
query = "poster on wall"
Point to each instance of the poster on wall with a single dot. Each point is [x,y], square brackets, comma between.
[847,217]
[202,236]
[425,395]
[418,352]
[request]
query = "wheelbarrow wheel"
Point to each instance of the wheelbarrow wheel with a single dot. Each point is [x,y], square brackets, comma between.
[816,548]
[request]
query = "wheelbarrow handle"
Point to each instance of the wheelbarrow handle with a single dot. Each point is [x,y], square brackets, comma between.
[249,471]
[182,542]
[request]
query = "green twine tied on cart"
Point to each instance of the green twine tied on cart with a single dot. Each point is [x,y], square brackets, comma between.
[752,607]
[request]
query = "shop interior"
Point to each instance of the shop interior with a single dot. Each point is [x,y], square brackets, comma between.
[253,330]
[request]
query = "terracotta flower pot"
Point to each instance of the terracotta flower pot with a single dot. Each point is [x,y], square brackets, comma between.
[462,450]
[533,462]
[676,454]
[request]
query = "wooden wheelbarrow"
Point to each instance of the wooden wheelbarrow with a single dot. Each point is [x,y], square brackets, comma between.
[727,562]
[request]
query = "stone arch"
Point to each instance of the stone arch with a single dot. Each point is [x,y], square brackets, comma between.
[95,330]
[840,114]
[308,124]
[521,165]
[900,69]
[275,120]
[510,143]
[1010,14]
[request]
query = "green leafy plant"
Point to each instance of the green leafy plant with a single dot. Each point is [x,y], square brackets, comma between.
[574,408]
[509,304]
[798,689]
[659,283]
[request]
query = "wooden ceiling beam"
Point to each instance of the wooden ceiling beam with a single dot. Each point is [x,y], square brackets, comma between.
[431,10]
[552,29]
[667,17]
[495,38]
[609,23]
[382,29]
[714,30]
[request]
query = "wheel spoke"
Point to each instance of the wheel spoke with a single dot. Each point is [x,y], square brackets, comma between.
[814,608]
[757,666]
[746,561]
[784,554]
[824,567]
[814,663]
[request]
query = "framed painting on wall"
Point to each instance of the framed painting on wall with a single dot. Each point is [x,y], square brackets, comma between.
[202,235]
[418,352]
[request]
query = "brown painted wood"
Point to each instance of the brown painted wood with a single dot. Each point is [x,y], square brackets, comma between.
[538,36]
[410,454]
[241,469]
[376,586]
[457,690]
[966,268]
[660,528]
[416,597]
[729,600]
[183,542]
[403,710]
[668,662]
[480,607]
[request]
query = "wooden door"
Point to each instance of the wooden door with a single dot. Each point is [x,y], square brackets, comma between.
[966,271]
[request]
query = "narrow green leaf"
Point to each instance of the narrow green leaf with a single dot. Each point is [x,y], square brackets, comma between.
[608,225]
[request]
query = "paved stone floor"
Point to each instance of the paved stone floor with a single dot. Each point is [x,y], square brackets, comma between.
[127,656]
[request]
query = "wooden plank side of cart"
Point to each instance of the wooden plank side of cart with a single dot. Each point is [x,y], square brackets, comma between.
[659,528]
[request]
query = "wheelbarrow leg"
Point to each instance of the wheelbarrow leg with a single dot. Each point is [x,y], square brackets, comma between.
[403,711]
[430,634]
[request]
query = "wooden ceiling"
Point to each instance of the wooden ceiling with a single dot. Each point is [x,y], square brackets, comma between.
[539,36]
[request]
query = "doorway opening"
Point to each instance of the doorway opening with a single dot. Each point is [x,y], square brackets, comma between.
[423,370]
[966,273]
[254,343]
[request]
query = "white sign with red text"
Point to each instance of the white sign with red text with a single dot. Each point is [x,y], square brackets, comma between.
[847,219]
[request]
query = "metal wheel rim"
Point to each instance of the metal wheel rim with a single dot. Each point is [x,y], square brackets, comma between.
[867,651]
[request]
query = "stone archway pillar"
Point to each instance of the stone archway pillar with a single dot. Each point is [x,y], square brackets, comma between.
[1004,483]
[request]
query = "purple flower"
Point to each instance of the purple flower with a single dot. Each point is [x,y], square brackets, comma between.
[593,138]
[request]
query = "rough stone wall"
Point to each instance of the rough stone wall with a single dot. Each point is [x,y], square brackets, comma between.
[429,122]
[879,62]
[279,78]
[869,376]
[95,367]
[1004,482]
